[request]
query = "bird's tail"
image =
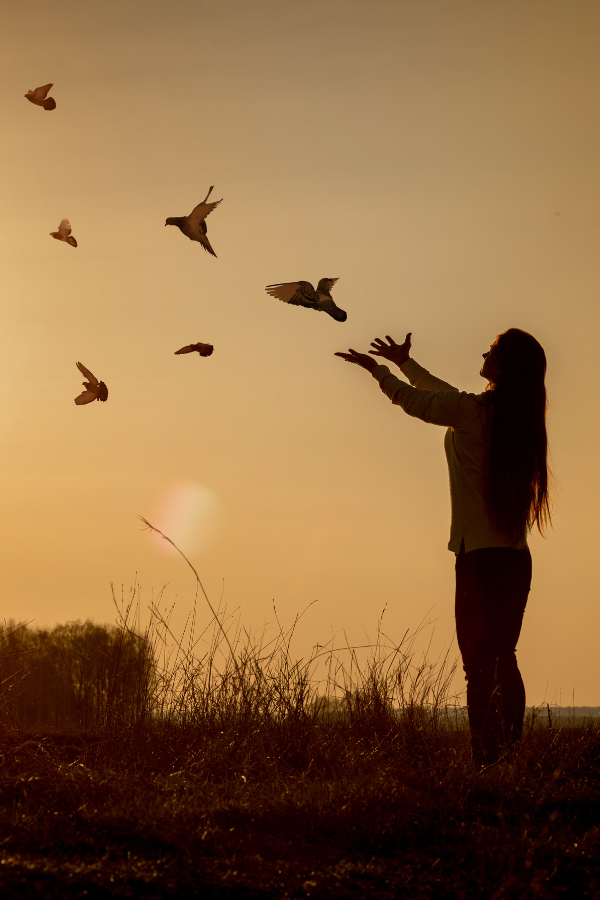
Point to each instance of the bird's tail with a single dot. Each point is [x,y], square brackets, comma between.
[206,244]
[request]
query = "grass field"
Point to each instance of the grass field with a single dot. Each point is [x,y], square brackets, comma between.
[219,765]
[345,808]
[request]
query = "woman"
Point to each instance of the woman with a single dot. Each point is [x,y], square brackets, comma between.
[496,447]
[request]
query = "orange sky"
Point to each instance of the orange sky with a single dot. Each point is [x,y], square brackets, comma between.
[441,159]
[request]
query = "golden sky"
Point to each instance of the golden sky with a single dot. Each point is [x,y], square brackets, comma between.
[441,159]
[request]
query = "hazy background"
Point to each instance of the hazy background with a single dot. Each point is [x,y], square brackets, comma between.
[441,159]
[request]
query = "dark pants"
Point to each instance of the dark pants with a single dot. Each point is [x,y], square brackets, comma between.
[492,585]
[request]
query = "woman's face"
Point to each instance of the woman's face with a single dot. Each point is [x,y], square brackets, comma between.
[490,367]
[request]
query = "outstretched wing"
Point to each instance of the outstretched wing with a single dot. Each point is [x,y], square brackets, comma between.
[86,397]
[40,92]
[297,293]
[91,378]
[49,103]
[71,240]
[64,228]
[203,349]
[200,212]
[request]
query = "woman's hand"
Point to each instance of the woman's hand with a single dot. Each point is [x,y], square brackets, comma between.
[360,359]
[396,353]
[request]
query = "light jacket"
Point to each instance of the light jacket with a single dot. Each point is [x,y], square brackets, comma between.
[468,418]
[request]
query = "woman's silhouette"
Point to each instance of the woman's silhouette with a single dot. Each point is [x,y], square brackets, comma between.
[496,447]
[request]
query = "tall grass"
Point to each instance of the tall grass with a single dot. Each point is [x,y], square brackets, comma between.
[238,766]
[223,679]
[157,694]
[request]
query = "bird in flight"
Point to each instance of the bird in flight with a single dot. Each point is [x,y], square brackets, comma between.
[302,293]
[64,233]
[203,349]
[194,226]
[39,97]
[94,389]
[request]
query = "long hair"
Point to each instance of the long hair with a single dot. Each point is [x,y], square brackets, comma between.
[518,461]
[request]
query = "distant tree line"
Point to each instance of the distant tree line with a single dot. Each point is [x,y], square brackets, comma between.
[75,676]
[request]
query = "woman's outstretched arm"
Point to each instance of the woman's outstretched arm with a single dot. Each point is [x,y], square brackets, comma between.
[429,399]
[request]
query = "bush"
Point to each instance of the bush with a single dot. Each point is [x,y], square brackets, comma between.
[75,676]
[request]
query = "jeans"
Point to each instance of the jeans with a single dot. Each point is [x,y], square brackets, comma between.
[492,585]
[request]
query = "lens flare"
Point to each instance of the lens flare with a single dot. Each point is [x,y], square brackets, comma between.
[189,514]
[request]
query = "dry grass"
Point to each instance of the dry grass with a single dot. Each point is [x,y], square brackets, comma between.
[244,776]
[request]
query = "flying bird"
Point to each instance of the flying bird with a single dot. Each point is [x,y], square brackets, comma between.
[94,389]
[203,349]
[39,97]
[302,293]
[194,226]
[64,233]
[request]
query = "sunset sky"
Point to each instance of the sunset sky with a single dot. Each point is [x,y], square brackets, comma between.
[442,159]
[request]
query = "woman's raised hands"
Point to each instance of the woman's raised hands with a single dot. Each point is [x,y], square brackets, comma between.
[396,353]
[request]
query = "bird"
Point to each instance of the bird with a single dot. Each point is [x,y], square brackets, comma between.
[39,97]
[194,226]
[302,293]
[64,233]
[203,349]
[95,390]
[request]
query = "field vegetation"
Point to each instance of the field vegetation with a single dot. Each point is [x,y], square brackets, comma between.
[218,765]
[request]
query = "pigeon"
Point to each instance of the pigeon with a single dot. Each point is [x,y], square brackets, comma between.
[39,97]
[302,293]
[64,233]
[203,349]
[95,390]
[194,226]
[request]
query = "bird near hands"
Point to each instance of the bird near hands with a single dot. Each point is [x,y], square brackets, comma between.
[64,233]
[203,349]
[302,293]
[39,97]
[194,226]
[94,389]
